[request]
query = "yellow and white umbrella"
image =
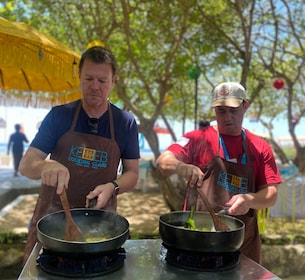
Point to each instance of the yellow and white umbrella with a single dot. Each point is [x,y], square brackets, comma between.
[35,69]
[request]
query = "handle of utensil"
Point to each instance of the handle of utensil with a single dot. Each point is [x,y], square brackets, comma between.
[219,225]
[65,203]
[186,198]
[223,211]
[206,202]
[92,202]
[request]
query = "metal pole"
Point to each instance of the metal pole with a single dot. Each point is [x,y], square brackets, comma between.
[196,101]
[194,73]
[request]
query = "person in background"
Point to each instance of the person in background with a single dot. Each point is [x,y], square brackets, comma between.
[16,141]
[87,140]
[203,124]
[234,168]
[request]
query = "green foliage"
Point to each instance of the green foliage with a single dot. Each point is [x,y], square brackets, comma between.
[289,151]
[10,238]
[157,42]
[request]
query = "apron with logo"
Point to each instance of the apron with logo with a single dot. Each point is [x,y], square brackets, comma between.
[91,159]
[222,180]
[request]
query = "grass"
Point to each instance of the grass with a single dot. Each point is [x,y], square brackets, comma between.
[285,226]
[11,260]
[289,151]
[279,231]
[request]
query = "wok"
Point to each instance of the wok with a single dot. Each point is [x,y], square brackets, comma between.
[174,234]
[103,231]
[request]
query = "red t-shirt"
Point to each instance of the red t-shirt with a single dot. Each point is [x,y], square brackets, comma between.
[199,147]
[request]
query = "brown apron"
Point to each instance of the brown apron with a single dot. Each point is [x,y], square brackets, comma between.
[91,159]
[222,180]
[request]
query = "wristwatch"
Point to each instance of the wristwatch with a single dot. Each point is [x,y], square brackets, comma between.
[116,187]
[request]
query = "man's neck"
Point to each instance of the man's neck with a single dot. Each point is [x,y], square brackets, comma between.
[95,112]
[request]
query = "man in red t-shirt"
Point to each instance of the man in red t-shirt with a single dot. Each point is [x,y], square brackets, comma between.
[251,177]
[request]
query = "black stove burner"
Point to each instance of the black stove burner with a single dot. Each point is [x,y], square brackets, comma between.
[80,265]
[202,261]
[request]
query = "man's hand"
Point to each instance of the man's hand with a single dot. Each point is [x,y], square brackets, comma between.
[56,175]
[102,194]
[191,173]
[238,205]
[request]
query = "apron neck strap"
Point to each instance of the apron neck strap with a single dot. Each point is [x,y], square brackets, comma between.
[111,122]
[225,151]
[110,119]
[76,115]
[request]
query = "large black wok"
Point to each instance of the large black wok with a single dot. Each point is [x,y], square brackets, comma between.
[174,234]
[103,231]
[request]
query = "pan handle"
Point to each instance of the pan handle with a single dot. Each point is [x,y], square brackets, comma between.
[92,202]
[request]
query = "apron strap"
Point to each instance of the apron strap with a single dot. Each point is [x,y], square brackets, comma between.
[225,151]
[111,122]
[75,118]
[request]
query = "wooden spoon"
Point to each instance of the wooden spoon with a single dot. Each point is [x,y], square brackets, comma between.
[218,224]
[72,233]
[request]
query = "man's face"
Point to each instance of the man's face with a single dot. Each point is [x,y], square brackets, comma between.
[229,119]
[96,81]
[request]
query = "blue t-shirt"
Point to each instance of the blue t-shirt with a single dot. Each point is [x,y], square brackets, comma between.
[58,121]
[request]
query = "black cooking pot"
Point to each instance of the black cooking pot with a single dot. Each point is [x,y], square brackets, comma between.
[174,234]
[104,231]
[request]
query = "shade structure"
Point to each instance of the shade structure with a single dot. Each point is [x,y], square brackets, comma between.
[35,69]
[161,130]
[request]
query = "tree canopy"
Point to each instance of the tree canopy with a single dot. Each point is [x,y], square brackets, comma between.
[157,43]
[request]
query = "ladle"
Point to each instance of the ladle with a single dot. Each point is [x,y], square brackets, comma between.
[72,232]
[218,224]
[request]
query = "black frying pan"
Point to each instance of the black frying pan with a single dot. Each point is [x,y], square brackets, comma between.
[103,231]
[173,233]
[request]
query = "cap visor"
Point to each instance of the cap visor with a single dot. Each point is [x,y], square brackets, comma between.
[229,102]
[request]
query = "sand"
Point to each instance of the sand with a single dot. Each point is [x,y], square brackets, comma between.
[142,210]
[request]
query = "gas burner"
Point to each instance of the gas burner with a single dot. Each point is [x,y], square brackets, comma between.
[202,261]
[80,265]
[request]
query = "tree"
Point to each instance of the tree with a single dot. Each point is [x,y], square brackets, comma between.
[281,52]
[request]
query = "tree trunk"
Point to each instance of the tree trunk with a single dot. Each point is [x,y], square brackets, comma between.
[173,188]
[299,160]
[278,151]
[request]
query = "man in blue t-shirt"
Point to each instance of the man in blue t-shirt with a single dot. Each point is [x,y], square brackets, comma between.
[86,140]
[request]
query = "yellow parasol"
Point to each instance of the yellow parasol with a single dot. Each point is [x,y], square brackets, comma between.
[35,69]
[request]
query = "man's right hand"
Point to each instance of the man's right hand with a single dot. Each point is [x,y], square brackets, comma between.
[191,173]
[56,175]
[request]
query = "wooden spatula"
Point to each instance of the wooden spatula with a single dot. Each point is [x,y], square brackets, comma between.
[218,224]
[72,233]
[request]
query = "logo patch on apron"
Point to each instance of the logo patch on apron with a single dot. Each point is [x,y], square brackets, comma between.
[232,183]
[87,157]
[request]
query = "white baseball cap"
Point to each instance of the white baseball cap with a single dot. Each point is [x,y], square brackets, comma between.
[228,94]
